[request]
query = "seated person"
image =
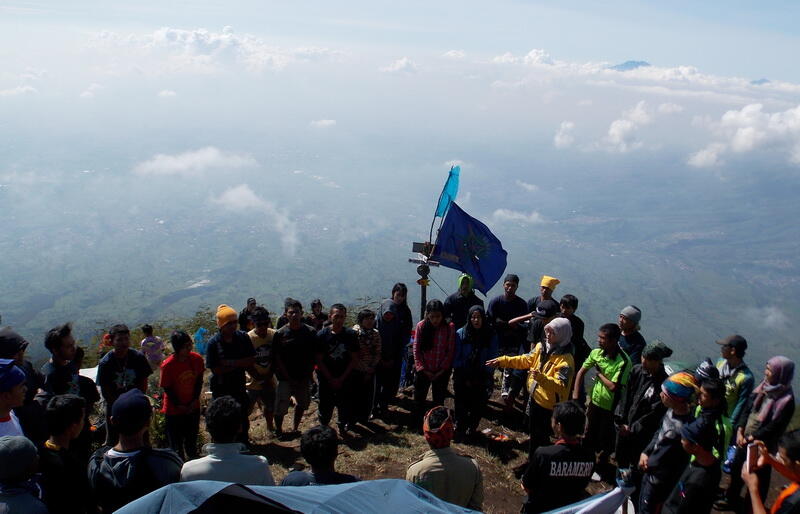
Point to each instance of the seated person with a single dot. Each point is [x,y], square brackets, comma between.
[319,447]
[18,463]
[226,459]
[451,477]
[558,474]
[131,469]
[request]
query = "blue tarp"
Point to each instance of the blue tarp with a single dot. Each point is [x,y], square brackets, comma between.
[379,496]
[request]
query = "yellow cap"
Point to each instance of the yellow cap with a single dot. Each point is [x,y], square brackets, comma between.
[549,282]
[225,315]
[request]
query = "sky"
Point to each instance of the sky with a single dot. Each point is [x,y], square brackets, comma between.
[337,121]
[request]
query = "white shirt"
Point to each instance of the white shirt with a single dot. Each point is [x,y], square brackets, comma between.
[226,463]
[11,426]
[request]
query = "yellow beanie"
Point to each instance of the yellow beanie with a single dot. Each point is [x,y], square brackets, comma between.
[549,282]
[225,315]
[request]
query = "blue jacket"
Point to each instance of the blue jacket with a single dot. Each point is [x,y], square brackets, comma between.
[461,360]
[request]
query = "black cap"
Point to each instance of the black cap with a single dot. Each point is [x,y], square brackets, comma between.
[131,409]
[735,341]
[546,309]
[251,300]
[10,343]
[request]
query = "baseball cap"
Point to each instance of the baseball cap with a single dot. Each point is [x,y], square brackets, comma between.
[735,341]
[132,409]
[546,309]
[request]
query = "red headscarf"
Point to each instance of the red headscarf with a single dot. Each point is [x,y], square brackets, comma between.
[441,436]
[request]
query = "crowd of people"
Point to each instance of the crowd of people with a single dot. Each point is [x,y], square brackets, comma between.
[669,436]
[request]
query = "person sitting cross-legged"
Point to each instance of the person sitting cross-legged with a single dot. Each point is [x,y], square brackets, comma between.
[558,474]
[226,459]
[320,447]
[131,468]
[451,477]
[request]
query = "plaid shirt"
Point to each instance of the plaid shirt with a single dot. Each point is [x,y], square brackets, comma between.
[440,356]
[369,349]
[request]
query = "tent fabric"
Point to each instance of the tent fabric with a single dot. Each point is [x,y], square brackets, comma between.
[379,496]
[607,503]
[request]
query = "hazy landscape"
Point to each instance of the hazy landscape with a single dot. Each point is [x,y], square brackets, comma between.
[148,169]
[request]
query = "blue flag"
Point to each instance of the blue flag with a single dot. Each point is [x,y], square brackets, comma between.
[449,192]
[466,244]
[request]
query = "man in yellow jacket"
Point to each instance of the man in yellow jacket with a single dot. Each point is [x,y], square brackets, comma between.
[551,371]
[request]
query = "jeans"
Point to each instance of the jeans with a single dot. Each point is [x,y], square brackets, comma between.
[439,388]
[388,382]
[340,399]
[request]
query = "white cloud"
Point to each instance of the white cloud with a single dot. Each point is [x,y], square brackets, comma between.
[564,137]
[323,123]
[168,50]
[708,156]
[670,108]
[454,54]
[454,162]
[535,57]
[19,90]
[770,317]
[401,65]
[243,198]
[621,136]
[508,215]
[749,129]
[91,91]
[167,93]
[193,163]
[531,188]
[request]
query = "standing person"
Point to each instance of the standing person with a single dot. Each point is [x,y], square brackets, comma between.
[765,417]
[61,377]
[369,357]
[738,378]
[182,381]
[18,465]
[434,345]
[30,413]
[283,319]
[65,485]
[559,473]
[337,356]
[568,305]
[261,386]
[225,459]
[393,344]
[405,324]
[631,340]
[316,319]
[230,353]
[294,346]
[640,409]
[454,478]
[552,369]
[476,344]
[500,311]
[319,446]
[545,311]
[12,395]
[546,287]
[119,371]
[613,371]
[131,468]
[457,305]
[663,460]
[699,482]
[244,315]
[152,347]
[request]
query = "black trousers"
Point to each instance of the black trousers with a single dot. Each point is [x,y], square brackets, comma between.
[734,491]
[439,388]
[387,383]
[539,426]
[471,396]
[363,390]
[182,430]
[340,399]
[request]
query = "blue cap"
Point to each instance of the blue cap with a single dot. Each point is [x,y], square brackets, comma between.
[10,375]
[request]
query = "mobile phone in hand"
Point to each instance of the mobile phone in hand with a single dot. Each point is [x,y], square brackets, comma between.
[752,457]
